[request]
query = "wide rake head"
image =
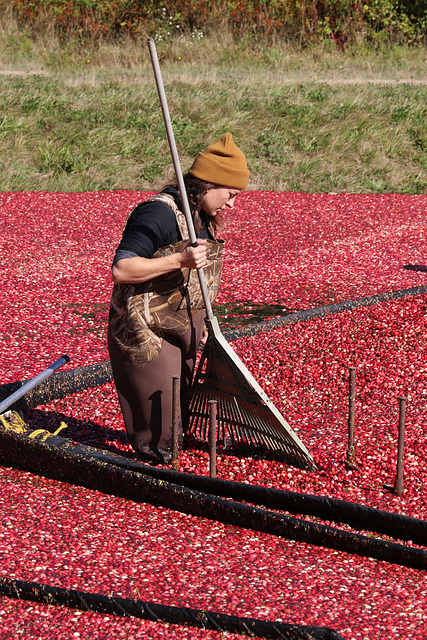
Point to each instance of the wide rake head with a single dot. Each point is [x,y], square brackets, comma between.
[247,421]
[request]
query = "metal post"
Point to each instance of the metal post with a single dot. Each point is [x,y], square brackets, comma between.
[175,419]
[351,449]
[212,438]
[398,482]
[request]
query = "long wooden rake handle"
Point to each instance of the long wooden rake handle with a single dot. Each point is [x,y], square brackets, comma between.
[177,168]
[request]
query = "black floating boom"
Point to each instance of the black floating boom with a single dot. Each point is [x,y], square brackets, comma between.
[202,619]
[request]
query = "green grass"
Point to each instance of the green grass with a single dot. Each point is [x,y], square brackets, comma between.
[313,120]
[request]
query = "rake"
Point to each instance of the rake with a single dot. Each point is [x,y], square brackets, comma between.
[247,419]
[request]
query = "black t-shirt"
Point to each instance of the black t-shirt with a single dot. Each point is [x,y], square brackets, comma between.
[151,225]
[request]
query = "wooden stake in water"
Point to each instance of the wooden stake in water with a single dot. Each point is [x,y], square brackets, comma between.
[175,420]
[212,438]
[351,449]
[398,482]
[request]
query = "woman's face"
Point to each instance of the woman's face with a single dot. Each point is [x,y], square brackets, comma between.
[218,199]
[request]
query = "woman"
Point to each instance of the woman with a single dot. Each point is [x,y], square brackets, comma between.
[156,315]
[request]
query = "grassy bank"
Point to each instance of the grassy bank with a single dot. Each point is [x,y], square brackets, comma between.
[314,120]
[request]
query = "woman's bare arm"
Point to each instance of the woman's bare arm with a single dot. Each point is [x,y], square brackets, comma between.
[137,269]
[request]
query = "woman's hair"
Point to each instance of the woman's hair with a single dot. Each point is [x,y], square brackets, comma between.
[196,189]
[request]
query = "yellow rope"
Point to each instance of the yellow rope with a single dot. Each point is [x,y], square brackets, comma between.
[14,422]
[4,423]
[38,432]
[63,425]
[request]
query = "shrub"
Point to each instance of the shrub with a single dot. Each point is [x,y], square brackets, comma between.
[296,20]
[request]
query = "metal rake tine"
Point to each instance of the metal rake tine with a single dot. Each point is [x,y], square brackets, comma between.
[249,419]
[210,396]
[221,417]
[245,439]
[220,435]
[204,428]
[204,414]
[230,420]
[263,429]
[197,399]
[234,434]
[249,433]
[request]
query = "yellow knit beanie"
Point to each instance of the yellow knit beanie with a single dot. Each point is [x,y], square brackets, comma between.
[222,163]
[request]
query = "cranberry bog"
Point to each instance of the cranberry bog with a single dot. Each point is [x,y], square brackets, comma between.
[285,253]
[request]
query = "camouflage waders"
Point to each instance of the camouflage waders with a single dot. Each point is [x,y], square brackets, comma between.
[154,332]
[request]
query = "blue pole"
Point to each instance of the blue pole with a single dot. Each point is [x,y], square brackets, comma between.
[17,395]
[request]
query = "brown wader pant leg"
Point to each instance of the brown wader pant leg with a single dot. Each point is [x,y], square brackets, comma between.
[145,388]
